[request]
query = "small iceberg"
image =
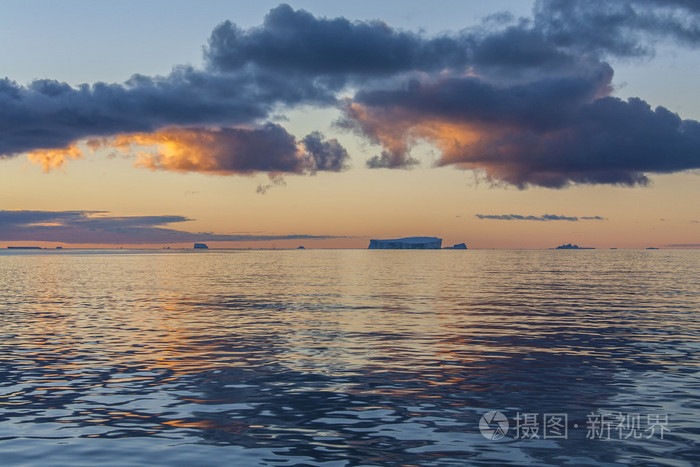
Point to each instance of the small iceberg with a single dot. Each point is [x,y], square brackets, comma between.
[569,246]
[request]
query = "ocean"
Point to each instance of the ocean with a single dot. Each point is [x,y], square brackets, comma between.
[349,357]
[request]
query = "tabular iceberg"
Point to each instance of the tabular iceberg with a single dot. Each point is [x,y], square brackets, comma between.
[408,243]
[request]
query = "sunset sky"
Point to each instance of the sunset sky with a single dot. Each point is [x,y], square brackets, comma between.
[502,124]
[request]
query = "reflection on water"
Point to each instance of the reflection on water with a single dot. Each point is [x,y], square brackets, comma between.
[344,357]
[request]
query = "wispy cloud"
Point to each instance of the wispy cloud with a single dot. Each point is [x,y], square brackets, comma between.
[98,227]
[542,218]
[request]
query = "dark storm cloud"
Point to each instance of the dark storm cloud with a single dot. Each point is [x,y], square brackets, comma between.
[336,50]
[607,141]
[539,105]
[327,155]
[551,122]
[391,160]
[524,100]
[618,28]
[233,150]
[202,108]
[542,218]
[79,227]
[518,49]
[295,41]
[49,114]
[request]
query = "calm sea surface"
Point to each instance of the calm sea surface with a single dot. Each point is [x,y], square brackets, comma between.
[349,357]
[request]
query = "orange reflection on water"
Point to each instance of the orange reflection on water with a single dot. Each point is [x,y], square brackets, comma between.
[129,414]
[231,427]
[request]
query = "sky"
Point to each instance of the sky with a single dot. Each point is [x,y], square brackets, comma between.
[503,124]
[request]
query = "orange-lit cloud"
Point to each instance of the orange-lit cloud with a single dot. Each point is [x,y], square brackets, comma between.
[224,151]
[398,131]
[525,101]
[396,136]
[50,159]
[220,151]
[549,132]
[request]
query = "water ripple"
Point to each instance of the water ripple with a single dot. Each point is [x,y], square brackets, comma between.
[345,357]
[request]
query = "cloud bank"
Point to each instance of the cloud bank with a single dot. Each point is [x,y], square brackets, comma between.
[542,218]
[98,227]
[527,101]
[534,105]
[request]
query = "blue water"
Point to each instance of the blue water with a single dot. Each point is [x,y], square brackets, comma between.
[349,357]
